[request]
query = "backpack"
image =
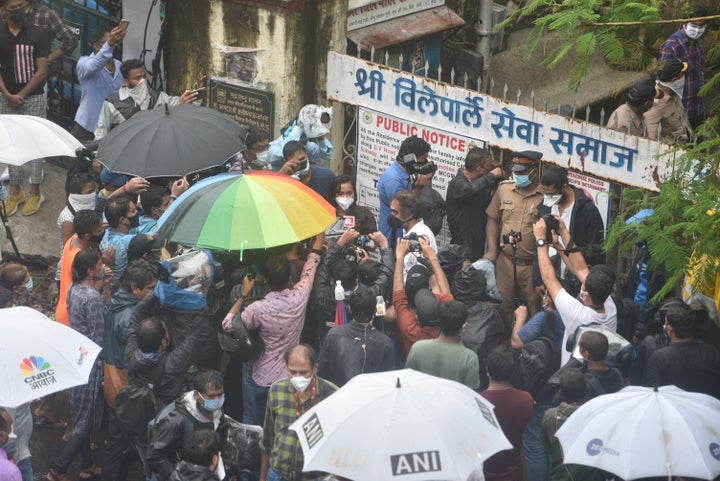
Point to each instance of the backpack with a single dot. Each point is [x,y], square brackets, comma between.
[137,404]
[431,209]
[536,362]
[621,353]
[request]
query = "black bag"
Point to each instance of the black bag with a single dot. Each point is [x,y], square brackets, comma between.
[537,361]
[242,344]
[431,209]
[136,405]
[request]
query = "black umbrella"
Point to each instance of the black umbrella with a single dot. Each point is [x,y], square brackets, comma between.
[170,141]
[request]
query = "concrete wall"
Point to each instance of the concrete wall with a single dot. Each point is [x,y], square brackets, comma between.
[295,41]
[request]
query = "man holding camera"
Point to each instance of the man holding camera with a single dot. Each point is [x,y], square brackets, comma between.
[403,175]
[511,244]
[404,211]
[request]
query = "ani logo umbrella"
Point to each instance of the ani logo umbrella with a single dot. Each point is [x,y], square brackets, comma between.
[246,211]
[402,425]
[642,432]
[25,137]
[39,356]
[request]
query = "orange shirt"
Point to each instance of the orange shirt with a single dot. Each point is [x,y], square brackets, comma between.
[68,257]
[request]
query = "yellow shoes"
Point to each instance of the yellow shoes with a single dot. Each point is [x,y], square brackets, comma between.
[32,204]
[13,201]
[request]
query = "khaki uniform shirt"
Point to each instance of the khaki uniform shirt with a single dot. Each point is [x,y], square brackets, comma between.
[516,212]
[669,113]
[625,120]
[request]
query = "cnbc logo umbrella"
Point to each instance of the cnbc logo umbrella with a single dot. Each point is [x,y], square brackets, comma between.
[39,356]
[246,211]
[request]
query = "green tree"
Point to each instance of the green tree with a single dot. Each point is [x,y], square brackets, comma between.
[684,231]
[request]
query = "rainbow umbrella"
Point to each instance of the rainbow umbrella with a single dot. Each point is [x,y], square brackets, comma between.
[246,211]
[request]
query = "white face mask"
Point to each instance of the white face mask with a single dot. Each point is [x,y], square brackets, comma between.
[550,200]
[676,86]
[263,158]
[694,32]
[139,93]
[344,202]
[82,201]
[300,383]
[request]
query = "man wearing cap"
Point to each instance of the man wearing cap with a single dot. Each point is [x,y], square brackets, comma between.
[513,208]
[628,117]
[685,46]
[667,119]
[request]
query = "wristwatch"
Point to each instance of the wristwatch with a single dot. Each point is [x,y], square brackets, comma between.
[540,242]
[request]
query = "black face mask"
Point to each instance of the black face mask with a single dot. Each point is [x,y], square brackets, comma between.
[394,222]
[97,239]
[134,221]
[17,15]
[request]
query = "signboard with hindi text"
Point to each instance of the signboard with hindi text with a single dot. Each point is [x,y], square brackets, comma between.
[379,136]
[578,145]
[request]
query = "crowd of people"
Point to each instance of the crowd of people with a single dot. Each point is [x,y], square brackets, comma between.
[524,274]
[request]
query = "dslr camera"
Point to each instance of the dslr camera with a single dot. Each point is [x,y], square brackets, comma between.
[414,241]
[512,238]
[552,225]
[364,241]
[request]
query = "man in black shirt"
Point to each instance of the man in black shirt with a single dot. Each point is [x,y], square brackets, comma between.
[24,51]
[468,195]
[687,362]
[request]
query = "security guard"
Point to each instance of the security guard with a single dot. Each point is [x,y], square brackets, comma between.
[513,209]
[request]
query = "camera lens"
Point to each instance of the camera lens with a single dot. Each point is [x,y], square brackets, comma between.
[325,118]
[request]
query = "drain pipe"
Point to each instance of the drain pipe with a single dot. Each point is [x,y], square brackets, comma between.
[485,31]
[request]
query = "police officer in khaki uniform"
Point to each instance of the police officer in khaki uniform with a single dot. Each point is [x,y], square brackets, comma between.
[513,208]
[668,114]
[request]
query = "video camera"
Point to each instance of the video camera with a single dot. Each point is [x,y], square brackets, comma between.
[552,225]
[512,238]
[410,163]
[414,241]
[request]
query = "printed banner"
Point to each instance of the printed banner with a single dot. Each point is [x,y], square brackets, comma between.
[571,143]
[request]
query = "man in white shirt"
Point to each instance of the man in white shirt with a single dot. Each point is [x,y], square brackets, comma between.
[404,210]
[595,306]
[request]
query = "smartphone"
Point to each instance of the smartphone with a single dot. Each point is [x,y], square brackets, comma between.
[124,24]
[200,93]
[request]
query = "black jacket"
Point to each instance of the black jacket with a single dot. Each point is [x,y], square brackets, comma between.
[354,349]
[586,227]
[692,366]
[465,203]
[179,358]
[192,472]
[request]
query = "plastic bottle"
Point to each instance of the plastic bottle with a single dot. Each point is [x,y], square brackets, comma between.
[339,291]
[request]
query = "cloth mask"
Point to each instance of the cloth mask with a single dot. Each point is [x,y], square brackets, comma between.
[694,32]
[82,201]
[522,181]
[213,405]
[550,200]
[344,202]
[134,221]
[263,158]
[97,239]
[300,383]
[140,94]
[152,356]
[17,15]
[394,222]
[101,275]
[676,86]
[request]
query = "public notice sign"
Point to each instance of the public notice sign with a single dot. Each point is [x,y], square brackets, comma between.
[247,106]
[379,136]
[571,143]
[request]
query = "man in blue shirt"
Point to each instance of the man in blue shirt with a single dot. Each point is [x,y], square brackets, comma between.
[397,178]
[99,76]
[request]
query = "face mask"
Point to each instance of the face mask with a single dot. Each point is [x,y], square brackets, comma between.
[550,200]
[676,86]
[139,93]
[10,446]
[100,275]
[152,356]
[97,239]
[694,32]
[17,15]
[522,180]
[344,202]
[304,171]
[213,405]
[134,221]
[82,201]
[29,286]
[394,222]
[300,383]
[263,158]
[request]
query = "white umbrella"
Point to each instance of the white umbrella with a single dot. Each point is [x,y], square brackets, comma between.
[25,137]
[39,356]
[641,432]
[400,423]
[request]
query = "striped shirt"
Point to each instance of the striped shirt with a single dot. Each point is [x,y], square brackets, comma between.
[18,55]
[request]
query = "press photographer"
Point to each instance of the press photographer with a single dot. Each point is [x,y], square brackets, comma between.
[404,217]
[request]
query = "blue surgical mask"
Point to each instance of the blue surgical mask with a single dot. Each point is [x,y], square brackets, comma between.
[213,405]
[522,180]
[29,285]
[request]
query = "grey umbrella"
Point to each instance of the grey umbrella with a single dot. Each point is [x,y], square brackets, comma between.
[171,141]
